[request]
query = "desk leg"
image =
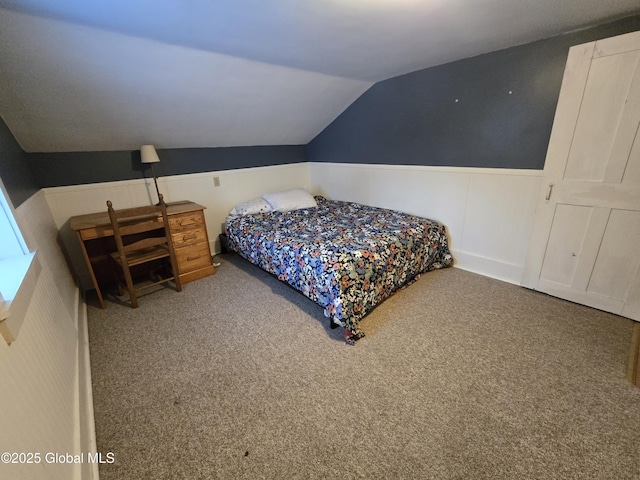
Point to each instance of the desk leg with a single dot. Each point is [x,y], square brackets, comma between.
[633,371]
[91,272]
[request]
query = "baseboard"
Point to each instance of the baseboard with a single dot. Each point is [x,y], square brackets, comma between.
[489,267]
[86,421]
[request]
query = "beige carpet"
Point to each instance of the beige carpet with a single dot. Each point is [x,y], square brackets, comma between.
[459,377]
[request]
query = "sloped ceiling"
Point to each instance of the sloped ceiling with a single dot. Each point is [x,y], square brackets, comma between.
[87,75]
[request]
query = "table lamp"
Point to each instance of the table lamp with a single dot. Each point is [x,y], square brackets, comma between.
[148,154]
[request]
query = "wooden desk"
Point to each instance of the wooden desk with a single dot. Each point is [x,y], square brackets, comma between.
[188,231]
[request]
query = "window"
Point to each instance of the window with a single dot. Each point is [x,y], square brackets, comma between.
[19,270]
[11,241]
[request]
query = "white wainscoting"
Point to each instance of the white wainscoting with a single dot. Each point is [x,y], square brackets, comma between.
[235,186]
[488,212]
[42,382]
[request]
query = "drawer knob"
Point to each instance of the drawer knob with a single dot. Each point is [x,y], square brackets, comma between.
[196,257]
[189,237]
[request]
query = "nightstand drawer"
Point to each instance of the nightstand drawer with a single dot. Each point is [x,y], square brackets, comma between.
[193,257]
[189,221]
[189,237]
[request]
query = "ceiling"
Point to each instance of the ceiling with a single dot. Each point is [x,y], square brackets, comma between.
[88,75]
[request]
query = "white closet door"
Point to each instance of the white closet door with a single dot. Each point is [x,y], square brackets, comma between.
[586,241]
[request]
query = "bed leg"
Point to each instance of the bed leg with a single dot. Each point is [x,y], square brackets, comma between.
[333,324]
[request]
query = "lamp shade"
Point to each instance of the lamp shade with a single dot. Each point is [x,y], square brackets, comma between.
[148,154]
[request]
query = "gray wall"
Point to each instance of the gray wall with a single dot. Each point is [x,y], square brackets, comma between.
[461,113]
[412,119]
[14,169]
[76,168]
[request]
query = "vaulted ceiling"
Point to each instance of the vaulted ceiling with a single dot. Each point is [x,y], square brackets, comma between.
[86,75]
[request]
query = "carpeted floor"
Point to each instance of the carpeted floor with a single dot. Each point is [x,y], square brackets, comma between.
[459,377]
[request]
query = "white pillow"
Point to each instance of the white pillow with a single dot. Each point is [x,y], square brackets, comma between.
[290,200]
[250,207]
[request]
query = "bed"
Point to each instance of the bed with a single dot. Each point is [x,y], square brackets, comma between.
[344,256]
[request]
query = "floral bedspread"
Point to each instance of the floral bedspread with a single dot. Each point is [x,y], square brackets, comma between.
[344,256]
